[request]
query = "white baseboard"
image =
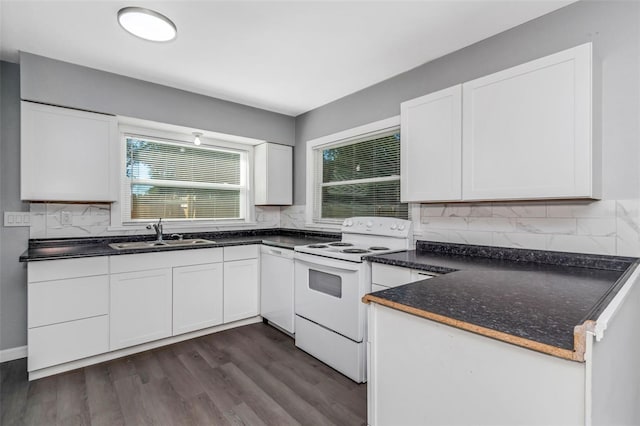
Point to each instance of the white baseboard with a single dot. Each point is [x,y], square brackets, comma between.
[13,353]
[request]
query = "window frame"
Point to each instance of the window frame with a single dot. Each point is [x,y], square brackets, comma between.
[337,139]
[121,220]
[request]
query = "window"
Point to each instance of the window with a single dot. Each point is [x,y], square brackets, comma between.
[179,181]
[357,176]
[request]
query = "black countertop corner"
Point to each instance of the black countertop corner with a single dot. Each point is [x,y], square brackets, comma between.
[531,294]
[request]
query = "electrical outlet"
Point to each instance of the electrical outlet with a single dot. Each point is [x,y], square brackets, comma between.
[17,218]
[66,219]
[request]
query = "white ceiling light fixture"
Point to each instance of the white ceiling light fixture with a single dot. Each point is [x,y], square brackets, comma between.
[196,139]
[147,24]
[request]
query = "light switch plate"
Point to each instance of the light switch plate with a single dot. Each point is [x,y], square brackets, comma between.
[17,219]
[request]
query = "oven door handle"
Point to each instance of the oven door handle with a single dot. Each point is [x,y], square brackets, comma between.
[320,266]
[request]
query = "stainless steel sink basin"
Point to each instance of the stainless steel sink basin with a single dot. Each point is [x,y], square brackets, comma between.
[168,243]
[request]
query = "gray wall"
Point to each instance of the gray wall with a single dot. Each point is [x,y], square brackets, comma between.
[61,83]
[13,241]
[54,82]
[612,26]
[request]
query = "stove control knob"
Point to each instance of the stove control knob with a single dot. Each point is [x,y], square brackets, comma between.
[401,228]
[393,226]
[369,224]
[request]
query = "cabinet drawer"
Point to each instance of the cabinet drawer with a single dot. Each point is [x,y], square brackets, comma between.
[47,270]
[158,260]
[67,341]
[390,276]
[52,302]
[241,252]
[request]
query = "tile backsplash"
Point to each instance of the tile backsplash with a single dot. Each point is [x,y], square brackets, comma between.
[601,227]
[57,220]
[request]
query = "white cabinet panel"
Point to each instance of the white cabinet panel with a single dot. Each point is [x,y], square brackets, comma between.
[241,252]
[52,302]
[157,260]
[378,287]
[241,289]
[140,307]
[527,131]
[276,285]
[47,270]
[431,138]
[197,297]
[426,378]
[273,174]
[67,341]
[67,155]
[389,276]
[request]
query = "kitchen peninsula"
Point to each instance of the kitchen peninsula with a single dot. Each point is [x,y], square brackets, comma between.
[548,307]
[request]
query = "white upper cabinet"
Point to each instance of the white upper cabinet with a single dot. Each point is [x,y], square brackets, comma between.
[273,174]
[527,131]
[67,155]
[431,139]
[519,134]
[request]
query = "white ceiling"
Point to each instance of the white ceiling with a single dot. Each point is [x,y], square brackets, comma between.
[284,56]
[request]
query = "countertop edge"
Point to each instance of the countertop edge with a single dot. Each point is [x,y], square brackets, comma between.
[579,335]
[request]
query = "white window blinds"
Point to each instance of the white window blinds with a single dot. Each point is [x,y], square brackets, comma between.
[358,177]
[176,181]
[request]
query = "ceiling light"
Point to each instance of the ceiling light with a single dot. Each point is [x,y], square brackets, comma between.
[147,24]
[196,140]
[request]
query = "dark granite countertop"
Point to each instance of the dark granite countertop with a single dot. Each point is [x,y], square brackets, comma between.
[536,296]
[64,248]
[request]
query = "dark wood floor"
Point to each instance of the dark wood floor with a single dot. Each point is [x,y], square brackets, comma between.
[250,375]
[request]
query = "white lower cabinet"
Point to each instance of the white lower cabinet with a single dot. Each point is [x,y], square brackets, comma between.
[67,341]
[241,289]
[140,307]
[241,282]
[79,308]
[67,310]
[197,297]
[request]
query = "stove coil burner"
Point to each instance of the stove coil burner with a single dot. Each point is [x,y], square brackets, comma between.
[378,248]
[340,244]
[317,246]
[355,251]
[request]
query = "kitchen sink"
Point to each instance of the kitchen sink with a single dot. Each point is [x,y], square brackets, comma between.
[168,243]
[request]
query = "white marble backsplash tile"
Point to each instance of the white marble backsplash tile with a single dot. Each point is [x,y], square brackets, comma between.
[87,220]
[292,217]
[600,227]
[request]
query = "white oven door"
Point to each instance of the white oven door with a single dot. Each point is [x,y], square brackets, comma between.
[328,292]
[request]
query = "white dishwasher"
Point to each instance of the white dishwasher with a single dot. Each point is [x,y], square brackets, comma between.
[277,274]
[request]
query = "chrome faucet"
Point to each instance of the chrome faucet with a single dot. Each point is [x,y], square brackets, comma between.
[158,228]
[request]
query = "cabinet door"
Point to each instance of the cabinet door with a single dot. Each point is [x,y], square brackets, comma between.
[197,297]
[273,174]
[241,289]
[140,307]
[430,160]
[527,131]
[276,283]
[67,155]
